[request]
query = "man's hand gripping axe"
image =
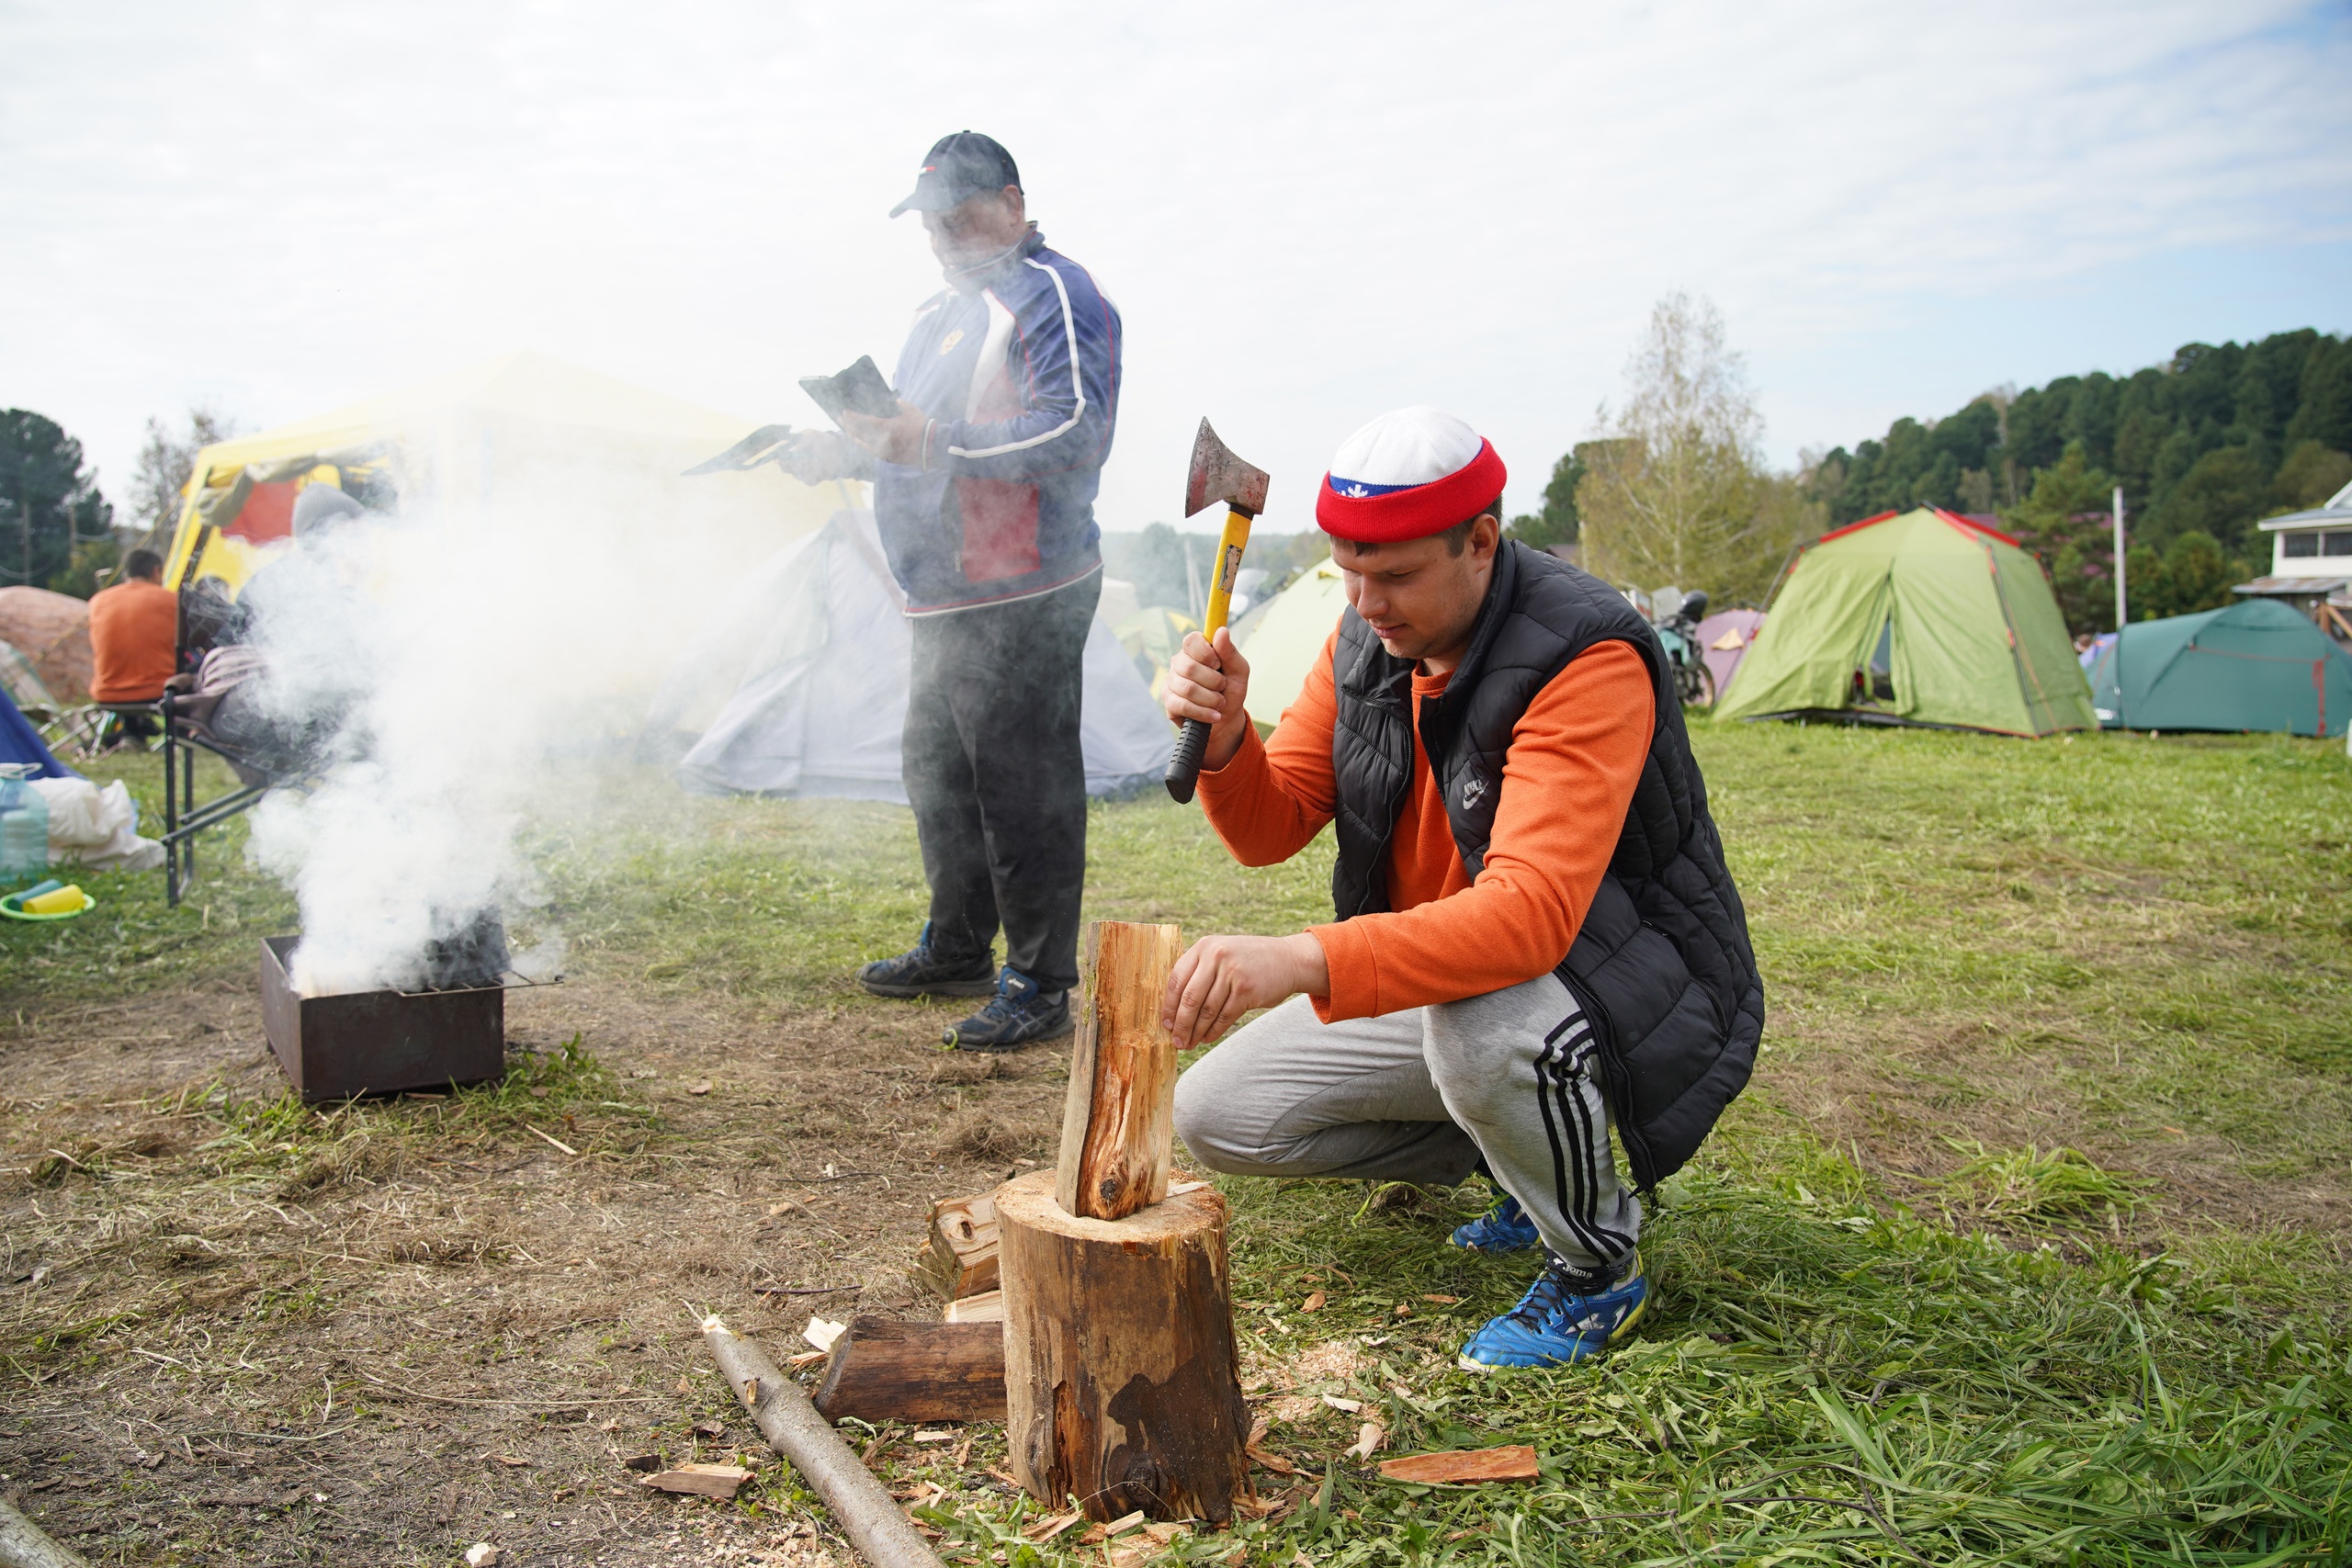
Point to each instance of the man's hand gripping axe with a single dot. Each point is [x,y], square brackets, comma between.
[1217,474]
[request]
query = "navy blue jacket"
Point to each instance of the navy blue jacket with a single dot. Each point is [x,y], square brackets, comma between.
[1018,368]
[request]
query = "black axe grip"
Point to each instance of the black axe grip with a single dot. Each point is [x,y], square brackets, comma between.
[1184,767]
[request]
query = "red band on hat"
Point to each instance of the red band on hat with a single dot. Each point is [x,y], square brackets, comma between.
[1414,513]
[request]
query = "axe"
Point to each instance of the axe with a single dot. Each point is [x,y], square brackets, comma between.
[1217,474]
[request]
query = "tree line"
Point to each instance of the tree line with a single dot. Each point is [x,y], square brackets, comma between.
[2204,446]
[58,530]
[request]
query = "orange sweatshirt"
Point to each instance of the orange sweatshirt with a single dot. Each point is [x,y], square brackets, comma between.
[1575,754]
[134,633]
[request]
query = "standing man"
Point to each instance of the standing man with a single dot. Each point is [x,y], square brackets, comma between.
[1537,937]
[984,489]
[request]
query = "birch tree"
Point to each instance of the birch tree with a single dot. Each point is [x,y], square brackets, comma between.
[1676,492]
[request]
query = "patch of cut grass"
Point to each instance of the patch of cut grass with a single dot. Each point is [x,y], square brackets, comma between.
[2030,1188]
[1818,1380]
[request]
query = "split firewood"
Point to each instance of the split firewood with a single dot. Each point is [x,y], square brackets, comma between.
[1514,1461]
[1118,1118]
[886,1369]
[985,1307]
[962,1258]
[701,1479]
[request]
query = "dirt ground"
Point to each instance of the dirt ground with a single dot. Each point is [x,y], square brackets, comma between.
[373,1339]
[411,1344]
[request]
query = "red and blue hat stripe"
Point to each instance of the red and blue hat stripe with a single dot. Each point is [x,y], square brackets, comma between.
[1368,514]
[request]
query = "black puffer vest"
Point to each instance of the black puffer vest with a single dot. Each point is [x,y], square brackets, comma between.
[1662,965]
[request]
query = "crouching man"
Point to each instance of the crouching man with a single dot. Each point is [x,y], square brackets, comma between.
[1537,938]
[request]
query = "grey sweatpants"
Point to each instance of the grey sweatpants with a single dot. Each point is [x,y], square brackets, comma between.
[1419,1096]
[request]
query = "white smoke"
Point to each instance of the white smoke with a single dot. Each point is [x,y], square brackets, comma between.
[462,665]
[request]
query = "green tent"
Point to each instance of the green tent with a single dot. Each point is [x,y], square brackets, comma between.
[1925,617]
[2256,665]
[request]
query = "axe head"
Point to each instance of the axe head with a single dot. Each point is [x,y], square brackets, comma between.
[1217,474]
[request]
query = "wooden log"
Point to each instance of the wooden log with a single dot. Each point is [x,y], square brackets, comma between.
[884,1369]
[962,1259]
[1122,1387]
[1118,1117]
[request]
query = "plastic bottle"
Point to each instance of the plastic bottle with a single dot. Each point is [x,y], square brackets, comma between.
[24,824]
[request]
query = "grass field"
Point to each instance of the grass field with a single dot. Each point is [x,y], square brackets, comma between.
[2031,1242]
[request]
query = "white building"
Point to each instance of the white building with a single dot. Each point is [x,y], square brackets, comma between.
[2311,563]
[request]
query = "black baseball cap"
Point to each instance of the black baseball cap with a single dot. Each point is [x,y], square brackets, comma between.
[958,168]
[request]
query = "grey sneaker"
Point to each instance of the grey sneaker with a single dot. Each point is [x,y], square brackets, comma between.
[923,971]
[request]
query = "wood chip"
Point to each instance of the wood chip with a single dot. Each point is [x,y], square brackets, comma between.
[1444,1300]
[1274,1462]
[934,1437]
[700,1085]
[805,1358]
[1369,1436]
[482,1555]
[701,1479]
[821,1334]
[1123,1524]
[1314,1302]
[985,1307]
[1514,1461]
[1046,1530]
[645,1464]
[709,1426]
[1352,1406]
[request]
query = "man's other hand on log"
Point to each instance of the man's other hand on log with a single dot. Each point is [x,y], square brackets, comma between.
[1221,977]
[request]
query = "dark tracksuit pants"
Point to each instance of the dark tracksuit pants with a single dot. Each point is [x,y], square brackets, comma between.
[997,777]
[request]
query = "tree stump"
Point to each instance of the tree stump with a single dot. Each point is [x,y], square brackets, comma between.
[1122,1385]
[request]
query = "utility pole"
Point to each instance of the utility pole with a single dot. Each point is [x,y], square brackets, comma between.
[2115,659]
[2118,560]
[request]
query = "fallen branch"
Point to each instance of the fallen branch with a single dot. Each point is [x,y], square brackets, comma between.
[23,1544]
[869,1515]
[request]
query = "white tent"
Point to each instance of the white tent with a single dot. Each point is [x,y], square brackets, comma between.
[798,685]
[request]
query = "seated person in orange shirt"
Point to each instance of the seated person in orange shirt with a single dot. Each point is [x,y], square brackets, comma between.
[1537,937]
[134,638]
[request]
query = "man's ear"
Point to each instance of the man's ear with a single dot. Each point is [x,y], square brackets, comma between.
[1486,536]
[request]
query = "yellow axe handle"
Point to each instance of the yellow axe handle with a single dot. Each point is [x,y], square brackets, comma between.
[1184,767]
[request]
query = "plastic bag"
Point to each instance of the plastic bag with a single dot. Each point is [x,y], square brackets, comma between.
[95,827]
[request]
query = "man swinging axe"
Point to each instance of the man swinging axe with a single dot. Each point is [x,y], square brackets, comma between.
[1536,937]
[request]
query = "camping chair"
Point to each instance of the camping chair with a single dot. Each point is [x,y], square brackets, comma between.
[98,727]
[187,729]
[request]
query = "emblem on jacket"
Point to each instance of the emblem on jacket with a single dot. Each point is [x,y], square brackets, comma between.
[947,345]
[1474,790]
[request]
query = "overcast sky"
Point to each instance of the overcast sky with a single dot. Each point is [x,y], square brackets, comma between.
[1307,213]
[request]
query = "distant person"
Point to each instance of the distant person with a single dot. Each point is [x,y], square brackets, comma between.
[134,640]
[1536,937]
[984,490]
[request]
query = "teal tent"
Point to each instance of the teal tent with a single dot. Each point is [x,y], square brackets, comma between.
[2256,665]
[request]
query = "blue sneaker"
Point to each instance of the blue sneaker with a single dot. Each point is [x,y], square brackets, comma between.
[1503,1228]
[1017,1014]
[1560,1320]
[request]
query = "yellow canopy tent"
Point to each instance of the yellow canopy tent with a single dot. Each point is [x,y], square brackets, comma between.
[463,441]
[1288,639]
